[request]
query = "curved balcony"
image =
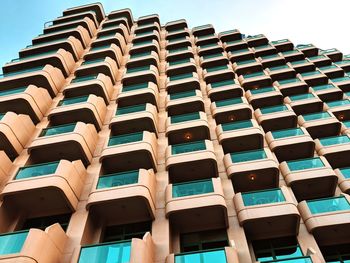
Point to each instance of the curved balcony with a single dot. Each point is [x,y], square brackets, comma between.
[183,82]
[130,152]
[143,59]
[291,144]
[281,72]
[339,108]
[328,219]
[276,117]
[31,101]
[122,13]
[292,86]
[272,60]
[267,214]
[181,66]
[308,49]
[309,178]
[336,149]
[343,179]
[73,142]
[264,97]
[112,38]
[314,78]
[293,55]
[100,52]
[148,73]
[255,80]
[229,110]
[15,132]
[218,73]
[282,45]
[27,246]
[247,66]
[252,170]
[257,40]
[54,186]
[320,124]
[191,161]
[96,8]
[240,55]
[305,103]
[192,126]
[138,94]
[100,85]
[264,50]
[130,194]
[106,66]
[185,202]
[333,53]
[142,117]
[332,71]
[320,60]
[225,89]
[240,136]
[328,92]
[184,102]
[47,77]
[302,65]
[343,83]
[87,109]
[74,17]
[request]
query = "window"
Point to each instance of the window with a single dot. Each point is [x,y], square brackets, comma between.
[46,221]
[125,232]
[337,253]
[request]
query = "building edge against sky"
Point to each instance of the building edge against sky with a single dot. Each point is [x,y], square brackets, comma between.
[124,140]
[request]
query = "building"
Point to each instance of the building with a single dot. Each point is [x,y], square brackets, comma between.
[126,140]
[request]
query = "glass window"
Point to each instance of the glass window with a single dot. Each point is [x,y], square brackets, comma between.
[287,133]
[193,188]
[334,140]
[46,221]
[117,179]
[188,147]
[247,156]
[263,197]
[36,170]
[303,164]
[327,205]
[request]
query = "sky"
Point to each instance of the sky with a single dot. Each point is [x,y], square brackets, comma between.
[321,22]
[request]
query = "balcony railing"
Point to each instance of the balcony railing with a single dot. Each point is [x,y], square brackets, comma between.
[178,62]
[302,96]
[117,179]
[230,126]
[261,90]
[309,163]
[70,101]
[180,95]
[222,83]
[83,78]
[185,117]
[327,205]
[188,147]
[181,76]
[316,116]
[123,139]
[273,109]
[192,188]
[206,256]
[287,133]
[131,109]
[11,243]
[55,130]
[135,87]
[247,156]
[36,170]
[263,197]
[345,172]
[334,140]
[18,72]
[228,102]
[12,91]
[338,103]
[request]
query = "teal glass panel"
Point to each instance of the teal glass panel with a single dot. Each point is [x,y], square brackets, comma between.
[303,164]
[228,102]
[185,117]
[279,67]
[117,179]
[137,69]
[93,61]
[18,72]
[279,41]
[11,243]
[287,133]
[345,78]
[178,62]
[311,73]
[177,50]
[253,75]
[301,96]
[210,256]
[245,62]
[75,100]
[142,43]
[347,124]
[127,138]
[222,83]
[83,78]
[263,197]
[305,259]
[135,87]
[326,205]
[141,54]
[262,90]
[230,126]
[273,109]
[345,172]
[316,116]
[334,140]
[211,69]
[323,87]
[106,36]
[34,55]
[180,95]
[338,103]
[100,47]
[181,76]
[55,130]
[188,147]
[12,91]
[192,188]
[131,109]
[247,156]
[113,252]
[288,81]
[211,56]
[36,170]
[328,67]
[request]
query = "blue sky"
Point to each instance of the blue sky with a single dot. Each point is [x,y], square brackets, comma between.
[21,20]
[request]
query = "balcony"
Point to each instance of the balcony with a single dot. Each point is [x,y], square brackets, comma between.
[224,89]
[291,144]
[235,109]
[332,71]
[221,255]
[234,45]
[203,30]
[343,179]
[87,109]
[27,246]
[257,40]
[282,45]
[142,117]
[276,117]
[293,86]
[339,108]
[130,194]
[230,35]
[302,65]
[130,152]
[240,136]
[47,77]
[184,202]
[15,132]
[99,85]
[264,97]
[247,66]
[328,219]
[100,52]
[267,214]
[184,102]
[106,66]
[177,71]
[309,50]
[176,25]
[112,38]
[272,60]
[252,170]
[134,250]
[305,103]
[218,73]
[191,161]
[255,80]
[187,127]
[343,83]
[333,53]
[328,92]
[281,72]
[314,78]
[320,61]
[122,13]
[54,186]
[28,100]
[136,94]
[143,59]
[292,55]
[320,124]
[148,73]
[74,17]
[240,55]
[73,141]
[309,178]
[96,8]
[182,82]
[344,64]
[335,149]
[264,50]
